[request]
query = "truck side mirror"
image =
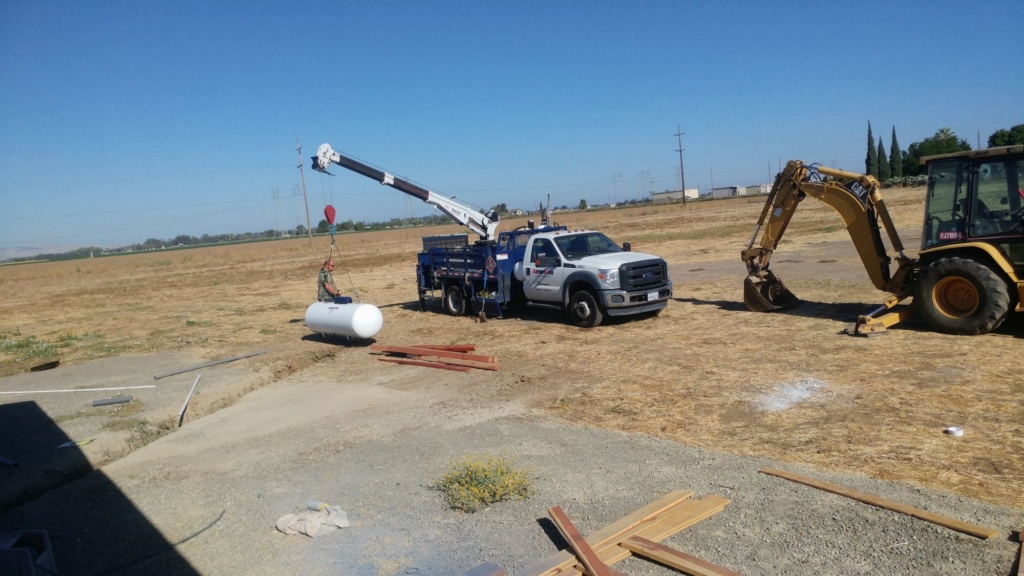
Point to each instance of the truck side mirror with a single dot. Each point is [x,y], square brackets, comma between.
[626,247]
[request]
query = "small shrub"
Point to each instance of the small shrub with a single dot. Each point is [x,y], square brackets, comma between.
[477,481]
[27,348]
[198,323]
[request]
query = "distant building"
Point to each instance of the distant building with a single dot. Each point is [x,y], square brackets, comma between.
[726,192]
[674,195]
[516,212]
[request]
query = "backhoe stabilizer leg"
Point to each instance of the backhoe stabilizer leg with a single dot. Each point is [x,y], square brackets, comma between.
[874,325]
[767,294]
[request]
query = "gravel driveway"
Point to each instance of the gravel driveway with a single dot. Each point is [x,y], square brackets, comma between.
[373,440]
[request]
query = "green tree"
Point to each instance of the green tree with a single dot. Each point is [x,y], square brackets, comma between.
[300,230]
[323,227]
[871,161]
[883,164]
[944,141]
[583,204]
[541,209]
[1004,137]
[895,157]
[500,208]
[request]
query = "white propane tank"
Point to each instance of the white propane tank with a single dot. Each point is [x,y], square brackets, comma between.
[356,320]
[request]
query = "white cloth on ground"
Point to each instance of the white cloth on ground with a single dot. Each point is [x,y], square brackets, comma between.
[313,523]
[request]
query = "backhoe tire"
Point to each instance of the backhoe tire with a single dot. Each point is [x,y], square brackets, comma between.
[454,301]
[584,311]
[961,296]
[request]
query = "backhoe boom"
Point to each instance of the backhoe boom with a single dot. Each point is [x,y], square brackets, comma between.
[857,199]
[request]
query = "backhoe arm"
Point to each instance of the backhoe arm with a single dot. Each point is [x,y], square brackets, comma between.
[856,198]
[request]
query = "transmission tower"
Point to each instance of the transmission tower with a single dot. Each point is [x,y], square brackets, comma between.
[275,193]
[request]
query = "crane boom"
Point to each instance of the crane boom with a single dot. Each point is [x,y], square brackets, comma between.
[485,225]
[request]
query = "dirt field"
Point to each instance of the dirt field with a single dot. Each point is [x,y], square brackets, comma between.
[705,372]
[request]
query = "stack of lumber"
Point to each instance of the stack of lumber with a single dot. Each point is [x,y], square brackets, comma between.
[447,357]
[638,533]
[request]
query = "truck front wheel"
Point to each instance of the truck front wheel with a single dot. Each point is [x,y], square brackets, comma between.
[454,302]
[583,310]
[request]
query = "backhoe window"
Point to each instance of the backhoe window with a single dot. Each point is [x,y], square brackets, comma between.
[996,199]
[946,203]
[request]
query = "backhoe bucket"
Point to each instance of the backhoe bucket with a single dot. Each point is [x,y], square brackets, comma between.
[767,295]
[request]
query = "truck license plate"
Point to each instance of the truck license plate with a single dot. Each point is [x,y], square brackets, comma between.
[652,296]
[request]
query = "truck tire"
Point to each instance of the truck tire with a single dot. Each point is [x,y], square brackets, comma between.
[454,301]
[961,296]
[584,310]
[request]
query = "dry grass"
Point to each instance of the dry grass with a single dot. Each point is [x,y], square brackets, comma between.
[696,373]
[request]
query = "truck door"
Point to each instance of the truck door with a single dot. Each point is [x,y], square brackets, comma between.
[543,272]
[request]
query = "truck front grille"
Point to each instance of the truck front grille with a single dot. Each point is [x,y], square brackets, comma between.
[643,275]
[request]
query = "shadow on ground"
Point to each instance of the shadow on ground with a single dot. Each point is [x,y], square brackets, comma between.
[335,340]
[93,527]
[841,311]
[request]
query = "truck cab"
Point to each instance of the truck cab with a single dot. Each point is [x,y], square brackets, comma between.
[588,275]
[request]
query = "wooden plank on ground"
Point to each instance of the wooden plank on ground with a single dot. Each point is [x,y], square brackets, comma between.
[668,525]
[578,543]
[1020,553]
[674,558]
[485,569]
[965,527]
[425,364]
[610,533]
[449,347]
[411,351]
[457,362]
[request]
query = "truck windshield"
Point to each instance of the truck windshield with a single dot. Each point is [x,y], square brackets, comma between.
[579,246]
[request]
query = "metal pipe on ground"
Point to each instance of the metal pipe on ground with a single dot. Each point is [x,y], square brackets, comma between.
[181,413]
[213,363]
[109,401]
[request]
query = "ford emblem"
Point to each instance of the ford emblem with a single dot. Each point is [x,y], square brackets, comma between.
[648,275]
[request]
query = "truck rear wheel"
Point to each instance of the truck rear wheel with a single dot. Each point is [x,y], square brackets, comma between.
[961,296]
[454,302]
[584,311]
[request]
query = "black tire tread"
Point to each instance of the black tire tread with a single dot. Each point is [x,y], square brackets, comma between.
[994,296]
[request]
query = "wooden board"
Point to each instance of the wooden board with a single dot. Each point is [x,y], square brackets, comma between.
[425,364]
[456,362]
[578,543]
[674,558]
[610,533]
[409,350]
[670,524]
[965,527]
[1020,553]
[449,347]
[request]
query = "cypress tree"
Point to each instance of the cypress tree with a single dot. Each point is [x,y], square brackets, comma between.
[871,162]
[895,157]
[883,163]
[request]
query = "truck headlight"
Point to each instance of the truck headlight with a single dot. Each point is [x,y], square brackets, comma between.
[609,278]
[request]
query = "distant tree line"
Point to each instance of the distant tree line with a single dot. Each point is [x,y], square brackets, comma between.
[208,239]
[902,167]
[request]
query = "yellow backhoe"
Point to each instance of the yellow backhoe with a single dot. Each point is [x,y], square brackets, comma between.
[969,273]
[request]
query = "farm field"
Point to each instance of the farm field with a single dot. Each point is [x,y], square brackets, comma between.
[705,372]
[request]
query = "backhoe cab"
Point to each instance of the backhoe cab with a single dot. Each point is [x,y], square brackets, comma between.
[970,270]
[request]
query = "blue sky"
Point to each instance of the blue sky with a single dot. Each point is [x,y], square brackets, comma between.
[121,121]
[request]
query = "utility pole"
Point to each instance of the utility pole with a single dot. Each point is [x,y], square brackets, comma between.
[979,139]
[309,229]
[770,172]
[682,175]
[712,178]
